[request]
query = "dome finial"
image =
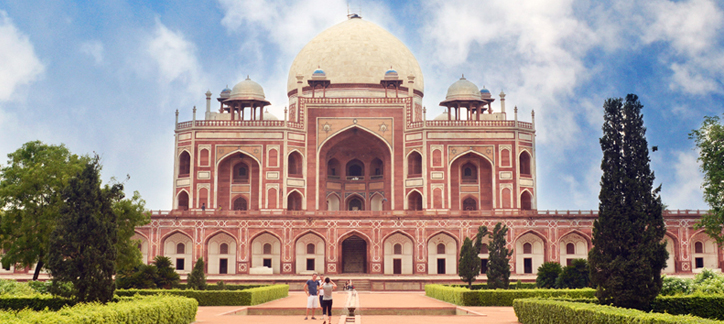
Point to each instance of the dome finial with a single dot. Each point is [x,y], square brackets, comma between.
[247,77]
[463,77]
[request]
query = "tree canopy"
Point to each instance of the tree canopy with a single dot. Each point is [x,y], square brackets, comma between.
[30,187]
[469,263]
[628,253]
[709,139]
[84,240]
[498,256]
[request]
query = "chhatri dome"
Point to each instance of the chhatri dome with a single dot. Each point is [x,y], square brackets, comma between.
[247,90]
[355,51]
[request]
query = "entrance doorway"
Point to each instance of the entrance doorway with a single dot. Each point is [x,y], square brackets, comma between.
[397,266]
[440,266]
[354,255]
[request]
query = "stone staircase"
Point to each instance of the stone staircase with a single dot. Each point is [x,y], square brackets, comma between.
[362,284]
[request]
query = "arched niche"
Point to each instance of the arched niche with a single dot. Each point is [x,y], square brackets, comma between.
[333,202]
[414,164]
[442,252]
[184,164]
[294,164]
[179,248]
[182,200]
[524,164]
[229,174]
[529,253]
[269,257]
[142,246]
[414,200]
[398,250]
[477,183]
[222,254]
[294,201]
[670,262]
[310,250]
[573,246]
[704,253]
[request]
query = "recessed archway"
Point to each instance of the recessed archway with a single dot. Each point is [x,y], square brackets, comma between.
[241,171]
[354,255]
[471,174]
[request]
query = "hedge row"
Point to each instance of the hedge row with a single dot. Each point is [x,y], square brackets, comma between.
[707,306]
[224,287]
[499,297]
[252,296]
[141,310]
[521,285]
[536,310]
[37,302]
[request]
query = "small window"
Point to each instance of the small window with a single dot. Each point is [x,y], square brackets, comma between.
[441,248]
[570,248]
[180,248]
[484,249]
[527,248]
[267,248]
[184,165]
[240,204]
[179,263]
[483,265]
[310,264]
[223,266]
[398,248]
[470,204]
[311,248]
[569,262]
[527,265]
[698,247]
[267,263]
[355,171]
[470,173]
[524,162]
[224,248]
[699,263]
[414,164]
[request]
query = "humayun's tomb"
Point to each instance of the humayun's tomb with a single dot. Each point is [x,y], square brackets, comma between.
[355,179]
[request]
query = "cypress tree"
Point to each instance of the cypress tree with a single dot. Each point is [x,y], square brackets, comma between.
[197,278]
[499,257]
[83,244]
[628,253]
[469,264]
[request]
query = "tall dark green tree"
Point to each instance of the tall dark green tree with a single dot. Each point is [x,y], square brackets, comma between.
[709,139]
[469,264]
[30,187]
[498,256]
[197,278]
[628,253]
[167,277]
[83,244]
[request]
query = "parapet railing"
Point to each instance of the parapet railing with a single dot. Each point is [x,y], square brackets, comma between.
[230,123]
[403,213]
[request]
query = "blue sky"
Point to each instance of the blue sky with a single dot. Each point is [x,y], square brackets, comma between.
[107,76]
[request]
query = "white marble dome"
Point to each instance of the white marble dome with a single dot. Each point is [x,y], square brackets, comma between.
[247,90]
[269,116]
[355,51]
[462,90]
[442,116]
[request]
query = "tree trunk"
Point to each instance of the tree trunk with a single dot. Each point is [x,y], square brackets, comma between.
[37,270]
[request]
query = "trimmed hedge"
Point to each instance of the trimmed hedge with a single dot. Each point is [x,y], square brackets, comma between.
[247,297]
[706,306]
[210,286]
[37,302]
[540,311]
[142,310]
[499,297]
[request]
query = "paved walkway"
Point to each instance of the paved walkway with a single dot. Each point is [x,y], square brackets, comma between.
[293,308]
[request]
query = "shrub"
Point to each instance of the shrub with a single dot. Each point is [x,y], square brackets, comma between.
[247,297]
[197,278]
[14,288]
[547,274]
[143,277]
[708,282]
[221,285]
[574,276]
[141,310]
[167,277]
[707,306]
[37,302]
[498,297]
[675,285]
[536,310]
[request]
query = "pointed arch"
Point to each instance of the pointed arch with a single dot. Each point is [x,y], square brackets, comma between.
[414,200]
[377,201]
[333,202]
[526,200]
[184,163]
[398,252]
[294,200]
[528,263]
[572,245]
[295,163]
[222,196]
[170,243]
[525,161]
[219,262]
[353,249]
[348,202]
[182,199]
[485,183]
[358,127]
[414,163]
[265,262]
[672,246]
[442,261]
[309,260]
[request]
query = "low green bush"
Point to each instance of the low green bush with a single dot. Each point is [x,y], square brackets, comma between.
[499,297]
[138,310]
[37,302]
[536,310]
[247,297]
[14,288]
[706,306]
[516,285]
[224,286]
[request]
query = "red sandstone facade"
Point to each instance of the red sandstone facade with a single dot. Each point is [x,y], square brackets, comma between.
[356,179]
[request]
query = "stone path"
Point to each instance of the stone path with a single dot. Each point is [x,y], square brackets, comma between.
[375,307]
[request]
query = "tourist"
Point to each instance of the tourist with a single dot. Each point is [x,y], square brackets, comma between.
[321,291]
[328,286]
[310,288]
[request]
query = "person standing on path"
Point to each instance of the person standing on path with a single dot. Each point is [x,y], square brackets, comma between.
[328,286]
[320,284]
[311,289]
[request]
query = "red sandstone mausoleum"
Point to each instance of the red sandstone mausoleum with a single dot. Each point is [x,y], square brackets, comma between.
[356,179]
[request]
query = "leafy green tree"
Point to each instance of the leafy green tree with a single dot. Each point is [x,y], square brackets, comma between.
[575,275]
[197,278]
[131,213]
[30,187]
[628,253]
[469,264]
[167,276]
[84,240]
[547,274]
[709,139]
[498,257]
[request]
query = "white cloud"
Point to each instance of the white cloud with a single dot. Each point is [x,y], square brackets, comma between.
[175,58]
[20,66]
[685,190]
[94,49]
